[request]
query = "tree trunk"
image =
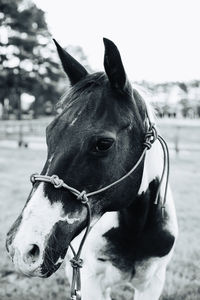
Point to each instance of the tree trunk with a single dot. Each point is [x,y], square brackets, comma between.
[19,107]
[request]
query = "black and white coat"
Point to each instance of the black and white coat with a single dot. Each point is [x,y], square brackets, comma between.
[139,250]
[129,239]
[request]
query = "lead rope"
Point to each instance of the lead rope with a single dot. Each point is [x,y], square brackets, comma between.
[76,261]
[150,137]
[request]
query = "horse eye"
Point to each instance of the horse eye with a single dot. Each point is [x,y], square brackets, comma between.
[103,145]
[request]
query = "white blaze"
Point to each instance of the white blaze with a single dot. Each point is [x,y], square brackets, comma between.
[38,219]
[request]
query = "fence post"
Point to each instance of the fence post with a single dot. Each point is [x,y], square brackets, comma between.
[177,140]
[20,140]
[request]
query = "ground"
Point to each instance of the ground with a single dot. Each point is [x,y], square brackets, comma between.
[183,275]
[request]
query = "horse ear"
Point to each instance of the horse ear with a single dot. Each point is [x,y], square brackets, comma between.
[74,70]
[114,67]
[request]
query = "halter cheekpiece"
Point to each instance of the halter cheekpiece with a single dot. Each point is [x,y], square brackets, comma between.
[76,262]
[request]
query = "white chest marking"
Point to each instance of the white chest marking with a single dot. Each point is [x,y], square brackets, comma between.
[152,166]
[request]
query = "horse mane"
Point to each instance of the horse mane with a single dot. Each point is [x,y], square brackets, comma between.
[84,86]
[96,80]
[146,96]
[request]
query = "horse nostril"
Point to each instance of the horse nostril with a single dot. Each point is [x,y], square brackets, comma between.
[32,254]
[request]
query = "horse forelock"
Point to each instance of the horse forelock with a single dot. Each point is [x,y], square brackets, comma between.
[84,86]
[94,96]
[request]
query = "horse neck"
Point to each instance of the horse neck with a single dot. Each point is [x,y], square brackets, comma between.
[136,216]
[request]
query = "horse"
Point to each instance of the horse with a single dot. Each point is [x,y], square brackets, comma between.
[102,190]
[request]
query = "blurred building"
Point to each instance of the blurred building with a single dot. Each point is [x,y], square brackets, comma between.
[177,99]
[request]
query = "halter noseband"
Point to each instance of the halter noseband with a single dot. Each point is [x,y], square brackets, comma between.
[83,196]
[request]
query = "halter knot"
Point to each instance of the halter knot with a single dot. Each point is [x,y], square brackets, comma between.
[83,197]
[76,262]
[56,181]
[150,136]
[147,144]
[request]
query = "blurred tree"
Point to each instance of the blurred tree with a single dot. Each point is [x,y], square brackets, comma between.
[78,53]
[183,86]
[28,60]
[185,107]
[26,63]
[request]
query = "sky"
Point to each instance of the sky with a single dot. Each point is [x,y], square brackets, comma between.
[159,40]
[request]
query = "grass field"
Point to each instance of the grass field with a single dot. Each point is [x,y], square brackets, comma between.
[183,276]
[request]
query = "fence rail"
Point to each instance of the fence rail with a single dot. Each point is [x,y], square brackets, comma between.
[181,135]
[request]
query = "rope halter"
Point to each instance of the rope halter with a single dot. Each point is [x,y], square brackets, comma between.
[76,262]
[151,136]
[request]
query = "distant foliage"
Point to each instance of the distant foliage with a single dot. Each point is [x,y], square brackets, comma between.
[28,61]
[26,64]
[78,53]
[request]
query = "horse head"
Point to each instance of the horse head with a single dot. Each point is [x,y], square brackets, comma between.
[93,142]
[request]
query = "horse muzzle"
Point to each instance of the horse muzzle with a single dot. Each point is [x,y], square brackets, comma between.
[28,261]
[36,256]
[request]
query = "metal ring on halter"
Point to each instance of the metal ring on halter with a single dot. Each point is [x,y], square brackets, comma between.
[56,181]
